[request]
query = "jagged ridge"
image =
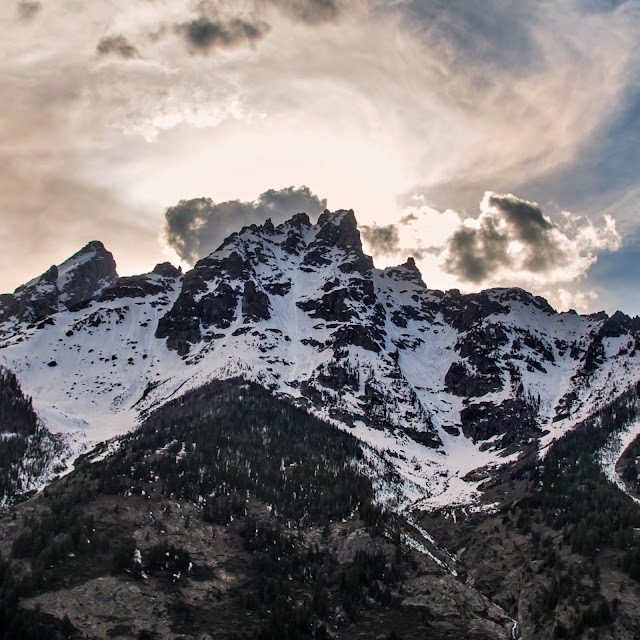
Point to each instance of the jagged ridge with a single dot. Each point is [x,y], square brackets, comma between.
[447,382]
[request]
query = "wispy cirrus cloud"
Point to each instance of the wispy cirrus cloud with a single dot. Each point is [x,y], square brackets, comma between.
[308,11]
[383,240]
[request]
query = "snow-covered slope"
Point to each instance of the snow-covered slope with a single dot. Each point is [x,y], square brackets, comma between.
[439,383]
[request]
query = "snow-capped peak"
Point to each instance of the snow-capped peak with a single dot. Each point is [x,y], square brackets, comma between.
[441,383]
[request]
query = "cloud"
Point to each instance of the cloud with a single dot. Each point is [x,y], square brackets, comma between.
[391,243]
[308,11]
[520,69]
[213,29]
[381,240]
[510,243]
[531,228]
[196,227]
[410,217]
[473,253]
[117,45]
[28,10]
[204,34]
[512,239]
[469,30]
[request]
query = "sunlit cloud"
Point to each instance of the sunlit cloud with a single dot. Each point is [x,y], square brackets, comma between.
[510,243]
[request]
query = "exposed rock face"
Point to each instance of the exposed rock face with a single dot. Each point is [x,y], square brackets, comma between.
[33,301]
[76,281]
[408,272]
[236,281]
[43,300]
[514,418]
[255,303]
[86,273]
[147,285]
[322,270]
[167,270]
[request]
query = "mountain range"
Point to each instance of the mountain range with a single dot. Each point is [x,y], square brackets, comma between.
[445,382]
[288,442]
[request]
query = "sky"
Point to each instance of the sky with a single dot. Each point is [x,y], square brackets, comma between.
[497,142]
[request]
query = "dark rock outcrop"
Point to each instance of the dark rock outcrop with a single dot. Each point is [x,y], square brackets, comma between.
[514,418]
[255,303]
[167,270]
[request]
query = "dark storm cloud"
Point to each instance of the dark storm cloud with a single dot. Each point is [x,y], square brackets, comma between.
[458,193]
[210,31]
[204,34]
[117,45]
[27,10]
[381,240]
[476,253]
[196,227]
[532,229]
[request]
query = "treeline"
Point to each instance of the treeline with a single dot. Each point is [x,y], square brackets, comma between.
[26,624]
[630,467]
[576,498]
[64,533]
[163,558]
[219,446]
[46,542]
[16,409]
[48,538]
[26,448]
[570,507]
[290,571]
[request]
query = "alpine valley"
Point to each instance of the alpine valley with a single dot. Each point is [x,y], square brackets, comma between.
[288,442]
